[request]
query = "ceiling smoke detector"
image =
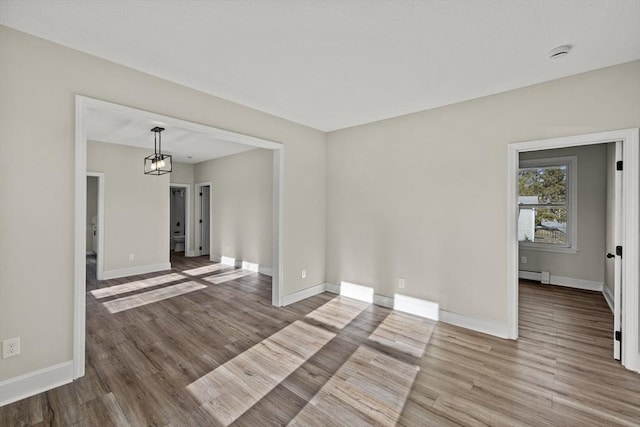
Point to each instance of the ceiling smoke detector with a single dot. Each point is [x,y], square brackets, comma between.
[559,52]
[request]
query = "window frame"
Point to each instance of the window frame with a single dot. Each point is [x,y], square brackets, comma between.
[571,203]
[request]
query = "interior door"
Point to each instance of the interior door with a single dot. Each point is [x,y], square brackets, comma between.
[617,278]
[205,216]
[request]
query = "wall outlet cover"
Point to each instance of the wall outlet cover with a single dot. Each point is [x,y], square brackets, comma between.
[10,347]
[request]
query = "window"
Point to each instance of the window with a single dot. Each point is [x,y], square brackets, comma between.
[547,204]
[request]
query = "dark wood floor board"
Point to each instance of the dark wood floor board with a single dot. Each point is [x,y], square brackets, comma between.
[199,359]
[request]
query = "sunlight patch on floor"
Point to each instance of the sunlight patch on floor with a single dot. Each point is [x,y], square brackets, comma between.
[404,332]
[338,312]
[207,269]
[231,389]
[226,277]
[136,286]
[138,300]
[373,383]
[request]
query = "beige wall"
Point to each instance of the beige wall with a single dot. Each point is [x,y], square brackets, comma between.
[588,263]
[610,235]
[38,82]
[424,196]
[242,205]
[92,208]
[183,173]
[136,207]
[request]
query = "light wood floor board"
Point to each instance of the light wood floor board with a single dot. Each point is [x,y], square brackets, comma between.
[220,354]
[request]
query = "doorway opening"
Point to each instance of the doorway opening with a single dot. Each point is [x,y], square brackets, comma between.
[94,242]
[85,107]
[203,219]
[626,292]
[179,219]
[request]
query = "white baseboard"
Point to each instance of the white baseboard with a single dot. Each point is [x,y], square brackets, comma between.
[245,265]
[431,310]
[250,266]
[490,327]
[132,271]
[189,254]
[608,296]
[333,288]
[228,261]
[30,384]
[303,294]
[568,282]
[358,292]
[417,306]
[267,271]
[383,301]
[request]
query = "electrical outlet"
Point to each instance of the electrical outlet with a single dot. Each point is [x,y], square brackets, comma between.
[10,347]
[401,283]
[131,257]
[304,274]
[523,259]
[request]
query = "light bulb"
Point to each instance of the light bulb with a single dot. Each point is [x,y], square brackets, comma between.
[153,166]
[160,164]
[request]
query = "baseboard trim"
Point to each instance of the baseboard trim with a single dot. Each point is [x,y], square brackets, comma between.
[133,271]
[568,282]
[303,294]
[332,288]
[245,265]
[267,271]
[226,260]
[431,310]
[417,306]
[30,384]
[383,301]
[489,327]
[608,296]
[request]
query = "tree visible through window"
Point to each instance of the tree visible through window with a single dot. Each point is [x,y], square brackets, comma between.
[544,203]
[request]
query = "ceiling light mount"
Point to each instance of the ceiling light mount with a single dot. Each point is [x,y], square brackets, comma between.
[560,51]
[157,163]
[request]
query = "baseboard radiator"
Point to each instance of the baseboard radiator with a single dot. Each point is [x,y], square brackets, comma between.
[539,276]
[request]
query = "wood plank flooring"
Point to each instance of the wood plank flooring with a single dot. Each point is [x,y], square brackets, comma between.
[202,346]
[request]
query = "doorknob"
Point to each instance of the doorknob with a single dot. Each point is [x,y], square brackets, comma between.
[610,255]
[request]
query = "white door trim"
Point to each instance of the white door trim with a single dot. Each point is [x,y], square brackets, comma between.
[630,225]
[187,215]
[100,235]
[83,105]
[197,207]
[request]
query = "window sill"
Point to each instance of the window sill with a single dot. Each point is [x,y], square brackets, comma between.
[542,248]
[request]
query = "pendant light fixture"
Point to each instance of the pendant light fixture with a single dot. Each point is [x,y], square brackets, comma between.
[157,163]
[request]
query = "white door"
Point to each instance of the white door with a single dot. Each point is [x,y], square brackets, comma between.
[617,278]
[205,219]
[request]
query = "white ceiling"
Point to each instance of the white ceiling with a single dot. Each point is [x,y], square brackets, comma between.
[336,63]
[185,145]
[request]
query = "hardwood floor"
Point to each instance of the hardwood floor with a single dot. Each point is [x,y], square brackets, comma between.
[202,345]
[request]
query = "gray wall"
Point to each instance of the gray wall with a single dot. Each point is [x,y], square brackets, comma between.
[424,196]
[242,205]
[38,82]
[588,263]
[136,207]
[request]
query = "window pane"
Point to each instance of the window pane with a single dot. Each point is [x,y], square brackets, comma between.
[543,184]
[543,225]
